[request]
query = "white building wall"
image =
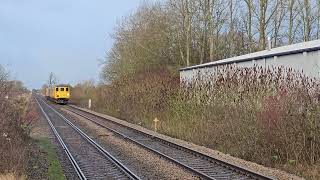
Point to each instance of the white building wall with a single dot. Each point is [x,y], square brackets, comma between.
[307,59]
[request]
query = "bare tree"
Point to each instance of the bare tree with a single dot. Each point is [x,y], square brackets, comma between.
[278,20]
[218,22]
[318,20]
[231,27]
[248,22]
[264,16]
[52,80]
[185,13]
[205,17]
[292,13]
[306,19]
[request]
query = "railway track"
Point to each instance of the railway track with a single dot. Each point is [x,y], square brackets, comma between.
[200,164]
[89,159]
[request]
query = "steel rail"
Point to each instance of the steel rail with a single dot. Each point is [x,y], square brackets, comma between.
[105,153]
[63,145]
[233,167]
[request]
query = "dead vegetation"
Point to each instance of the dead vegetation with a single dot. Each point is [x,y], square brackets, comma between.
[11,177]
[17,116]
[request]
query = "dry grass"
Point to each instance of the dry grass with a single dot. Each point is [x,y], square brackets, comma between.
[11,176]
[267,116]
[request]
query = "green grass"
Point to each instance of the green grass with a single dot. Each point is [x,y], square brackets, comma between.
[55,171]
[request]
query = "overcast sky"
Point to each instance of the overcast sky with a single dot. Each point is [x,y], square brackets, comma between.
[66,37]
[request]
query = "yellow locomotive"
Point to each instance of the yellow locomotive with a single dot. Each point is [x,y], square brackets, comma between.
[58,93]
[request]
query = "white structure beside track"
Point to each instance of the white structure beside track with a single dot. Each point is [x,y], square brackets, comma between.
[301,57]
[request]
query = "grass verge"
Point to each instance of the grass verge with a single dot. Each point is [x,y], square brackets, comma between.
[55,171]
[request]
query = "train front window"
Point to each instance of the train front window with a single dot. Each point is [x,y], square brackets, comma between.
[67,89]
[61,89]
[57,89]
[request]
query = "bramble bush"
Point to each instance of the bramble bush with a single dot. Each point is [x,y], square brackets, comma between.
[269,116]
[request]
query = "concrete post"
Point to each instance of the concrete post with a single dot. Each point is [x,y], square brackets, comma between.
[89,104]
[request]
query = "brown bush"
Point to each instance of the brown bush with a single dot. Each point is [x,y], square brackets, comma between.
[15,123]
[15,127]
[143,95]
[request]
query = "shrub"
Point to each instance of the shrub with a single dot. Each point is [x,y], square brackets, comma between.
[15,124]
[143,95]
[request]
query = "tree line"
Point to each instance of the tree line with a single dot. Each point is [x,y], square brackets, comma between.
[177,33]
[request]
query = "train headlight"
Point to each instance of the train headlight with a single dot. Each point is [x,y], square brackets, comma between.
[68,94]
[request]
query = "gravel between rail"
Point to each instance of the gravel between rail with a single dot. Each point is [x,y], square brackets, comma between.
[200,164]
